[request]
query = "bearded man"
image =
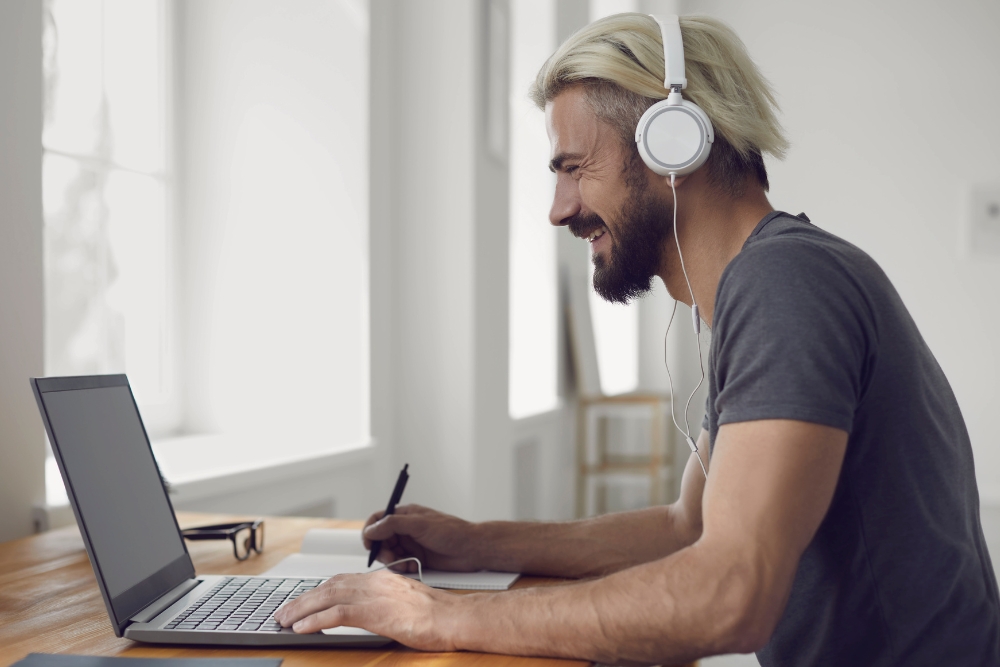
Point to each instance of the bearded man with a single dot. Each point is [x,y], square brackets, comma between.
[837,521]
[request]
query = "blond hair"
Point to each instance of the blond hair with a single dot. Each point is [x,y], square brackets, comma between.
[619,61]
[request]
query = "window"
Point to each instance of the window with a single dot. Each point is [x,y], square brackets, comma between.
[616,336]
[616,327]
[533,286]
[246,313]
[107,197]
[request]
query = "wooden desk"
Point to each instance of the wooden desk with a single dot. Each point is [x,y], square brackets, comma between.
[49,603]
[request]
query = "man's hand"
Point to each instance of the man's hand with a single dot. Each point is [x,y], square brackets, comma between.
[439,541]
[587,548]
[381,602]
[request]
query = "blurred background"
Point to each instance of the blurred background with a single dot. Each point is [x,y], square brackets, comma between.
[314,234]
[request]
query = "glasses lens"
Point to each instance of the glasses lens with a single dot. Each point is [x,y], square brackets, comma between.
[260,538]
[242,542]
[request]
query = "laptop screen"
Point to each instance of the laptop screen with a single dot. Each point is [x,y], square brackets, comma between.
[125,515]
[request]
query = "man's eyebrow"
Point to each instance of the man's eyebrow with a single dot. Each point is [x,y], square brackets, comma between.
[556,163]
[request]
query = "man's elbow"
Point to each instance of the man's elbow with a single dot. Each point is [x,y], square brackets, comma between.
[749,635]
[751,604]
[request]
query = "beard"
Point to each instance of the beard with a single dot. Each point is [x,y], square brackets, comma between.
[635,256]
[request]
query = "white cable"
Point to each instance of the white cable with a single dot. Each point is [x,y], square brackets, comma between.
[694,304]
[420,569]
[686,431]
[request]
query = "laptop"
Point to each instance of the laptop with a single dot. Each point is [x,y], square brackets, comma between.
[143,568]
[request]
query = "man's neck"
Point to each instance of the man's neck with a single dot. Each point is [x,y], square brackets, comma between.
[712,230]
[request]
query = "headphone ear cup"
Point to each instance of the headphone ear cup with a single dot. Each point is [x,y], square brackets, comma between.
[674,138]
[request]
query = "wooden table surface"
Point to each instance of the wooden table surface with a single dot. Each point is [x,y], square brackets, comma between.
[50,603]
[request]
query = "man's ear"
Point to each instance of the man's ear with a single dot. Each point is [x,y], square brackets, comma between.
[678,180]
[662,183]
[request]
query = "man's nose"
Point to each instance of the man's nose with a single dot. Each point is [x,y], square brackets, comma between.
[566,202]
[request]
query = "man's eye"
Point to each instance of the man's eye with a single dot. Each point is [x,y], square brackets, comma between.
[571,170]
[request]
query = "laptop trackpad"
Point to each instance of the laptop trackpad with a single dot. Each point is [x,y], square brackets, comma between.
[346,630]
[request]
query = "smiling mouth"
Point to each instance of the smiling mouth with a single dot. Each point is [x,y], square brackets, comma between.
[596,234]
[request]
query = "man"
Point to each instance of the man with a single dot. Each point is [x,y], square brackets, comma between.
[839,521]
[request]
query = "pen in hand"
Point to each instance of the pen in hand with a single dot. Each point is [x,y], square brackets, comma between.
[397,493]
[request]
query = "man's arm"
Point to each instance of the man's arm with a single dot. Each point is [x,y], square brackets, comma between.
[575,549]
[771,484]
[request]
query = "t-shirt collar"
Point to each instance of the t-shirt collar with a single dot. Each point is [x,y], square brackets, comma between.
[768,218]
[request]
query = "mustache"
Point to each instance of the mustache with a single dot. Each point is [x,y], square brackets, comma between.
[582,225]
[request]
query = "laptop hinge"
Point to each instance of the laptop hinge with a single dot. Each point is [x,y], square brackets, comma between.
[164,601]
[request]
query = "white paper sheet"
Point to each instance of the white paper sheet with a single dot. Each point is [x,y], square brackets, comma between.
[319,565]
[339,541]
[332,551]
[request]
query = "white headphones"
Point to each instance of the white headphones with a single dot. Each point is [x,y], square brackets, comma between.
[674,136]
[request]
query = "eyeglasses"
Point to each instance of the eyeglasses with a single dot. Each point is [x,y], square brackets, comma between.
[246,536]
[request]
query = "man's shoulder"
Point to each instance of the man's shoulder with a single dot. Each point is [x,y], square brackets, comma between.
[790,253]
[801,275]
[796,237]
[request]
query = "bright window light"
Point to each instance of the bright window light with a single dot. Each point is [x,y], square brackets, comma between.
[616,327]
[534,308]
[616,336]
[106,192]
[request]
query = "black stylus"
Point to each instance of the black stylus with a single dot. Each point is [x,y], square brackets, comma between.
[397,493]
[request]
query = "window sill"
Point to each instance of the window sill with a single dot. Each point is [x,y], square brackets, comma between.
[206,466]
[203,466]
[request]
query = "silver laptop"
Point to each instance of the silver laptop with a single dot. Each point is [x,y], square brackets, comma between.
[142,564]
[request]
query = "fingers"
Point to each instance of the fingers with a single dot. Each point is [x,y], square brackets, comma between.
[390,552]
[329,609]
[307,604]
[394,524]
[327,618]
[380,602]
[373,518]
[336,601]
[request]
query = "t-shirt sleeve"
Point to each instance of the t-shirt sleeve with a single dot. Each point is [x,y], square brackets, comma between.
[792,337]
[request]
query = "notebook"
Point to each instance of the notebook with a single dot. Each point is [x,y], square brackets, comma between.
[329,551]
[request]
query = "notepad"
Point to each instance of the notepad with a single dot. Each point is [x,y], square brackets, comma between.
[326,552]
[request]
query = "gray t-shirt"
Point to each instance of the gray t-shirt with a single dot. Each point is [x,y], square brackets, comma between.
[808,327]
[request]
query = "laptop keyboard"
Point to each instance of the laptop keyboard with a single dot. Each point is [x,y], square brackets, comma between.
[241,604]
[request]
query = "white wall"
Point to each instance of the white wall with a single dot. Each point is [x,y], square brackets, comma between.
[447,230]
[273,183]
[272,159]
[22,440]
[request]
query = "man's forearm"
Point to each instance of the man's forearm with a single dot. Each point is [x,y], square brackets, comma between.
[587,547]
[692,604]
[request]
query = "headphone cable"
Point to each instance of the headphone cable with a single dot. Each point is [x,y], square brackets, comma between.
[686,432]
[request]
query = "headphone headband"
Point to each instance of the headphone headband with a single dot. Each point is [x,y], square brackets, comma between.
[673,51]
